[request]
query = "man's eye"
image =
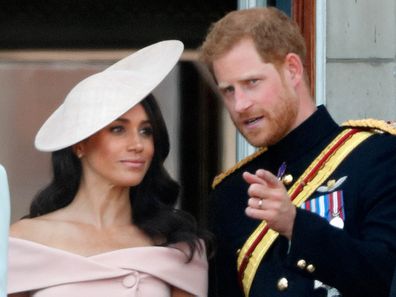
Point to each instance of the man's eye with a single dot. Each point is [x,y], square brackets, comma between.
[228,90]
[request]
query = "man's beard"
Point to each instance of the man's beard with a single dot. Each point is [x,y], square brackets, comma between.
[279,122]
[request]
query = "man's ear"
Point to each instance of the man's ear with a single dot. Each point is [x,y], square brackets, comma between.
[294,68]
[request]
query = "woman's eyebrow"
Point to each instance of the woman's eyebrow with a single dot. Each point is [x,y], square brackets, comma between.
[121,120]
[125,120]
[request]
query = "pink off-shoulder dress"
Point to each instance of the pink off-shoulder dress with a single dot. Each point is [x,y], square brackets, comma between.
[132,272]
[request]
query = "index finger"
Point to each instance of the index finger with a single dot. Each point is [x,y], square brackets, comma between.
[252,178]
[268,177]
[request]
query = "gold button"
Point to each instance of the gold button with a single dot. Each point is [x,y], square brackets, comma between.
[282,284]
[287,179]
[311,268]
[301,264]
[238,251]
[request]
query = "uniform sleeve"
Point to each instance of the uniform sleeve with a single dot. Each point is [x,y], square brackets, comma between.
[223,274]
[358,260]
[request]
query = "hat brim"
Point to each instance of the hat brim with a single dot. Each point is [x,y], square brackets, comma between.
[103,97]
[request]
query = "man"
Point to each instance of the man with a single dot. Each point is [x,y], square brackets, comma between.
[313,212]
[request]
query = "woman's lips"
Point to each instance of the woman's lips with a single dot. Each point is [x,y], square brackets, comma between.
[133,163]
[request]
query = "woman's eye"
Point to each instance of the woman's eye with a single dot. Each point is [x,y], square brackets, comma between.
[148,131]
[253,81]
[117,129]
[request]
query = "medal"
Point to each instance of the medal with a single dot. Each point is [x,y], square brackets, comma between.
[335,208]
[281,171]
[337,222]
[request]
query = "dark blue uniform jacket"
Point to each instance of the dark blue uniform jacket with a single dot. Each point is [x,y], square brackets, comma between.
[357,260]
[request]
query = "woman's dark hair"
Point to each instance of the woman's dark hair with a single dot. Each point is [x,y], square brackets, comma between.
[153,199]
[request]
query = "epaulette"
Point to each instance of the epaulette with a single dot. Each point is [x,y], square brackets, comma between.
[378,126]
[219,178]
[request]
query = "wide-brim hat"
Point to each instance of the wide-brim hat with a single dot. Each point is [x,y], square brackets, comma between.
[103,97]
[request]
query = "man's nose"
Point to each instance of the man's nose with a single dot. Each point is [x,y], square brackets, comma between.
[242,101]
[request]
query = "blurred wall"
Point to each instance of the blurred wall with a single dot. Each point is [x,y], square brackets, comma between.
[361,59]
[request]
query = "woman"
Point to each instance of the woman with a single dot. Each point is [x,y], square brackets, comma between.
[106,225]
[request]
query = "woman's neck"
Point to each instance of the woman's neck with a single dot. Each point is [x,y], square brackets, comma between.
[102,205]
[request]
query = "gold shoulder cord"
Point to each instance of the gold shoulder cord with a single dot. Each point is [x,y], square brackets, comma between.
[379,126]
[219,178]
[259,242]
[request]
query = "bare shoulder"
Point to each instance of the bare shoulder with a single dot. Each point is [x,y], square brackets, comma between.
[31,229]
[21,227]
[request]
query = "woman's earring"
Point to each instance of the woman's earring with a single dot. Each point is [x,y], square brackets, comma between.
[78,151]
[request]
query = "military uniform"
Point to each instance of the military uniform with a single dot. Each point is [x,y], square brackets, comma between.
[354,256]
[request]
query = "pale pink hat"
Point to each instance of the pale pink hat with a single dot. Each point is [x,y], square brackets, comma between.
[103,97]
